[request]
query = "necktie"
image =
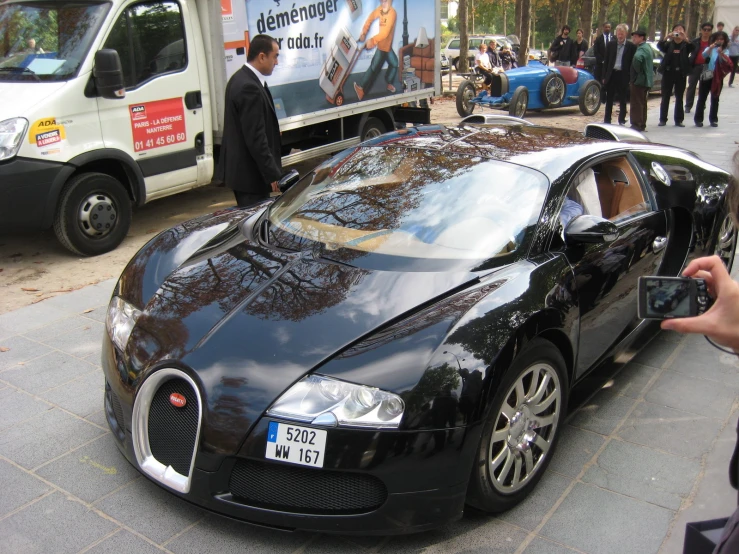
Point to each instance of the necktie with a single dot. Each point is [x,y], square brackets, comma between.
[270,95]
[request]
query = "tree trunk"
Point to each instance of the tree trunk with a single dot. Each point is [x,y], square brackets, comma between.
[603,12]
[565,14]
[678,10]
[653,19]
[586,20]
[462,64]
[532,35]
[505,17]
[631,14]
[517,15]
[523,52]
[663,14]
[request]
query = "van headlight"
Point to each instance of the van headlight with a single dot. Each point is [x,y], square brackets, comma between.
[12,132]
[326,401]
[120,321]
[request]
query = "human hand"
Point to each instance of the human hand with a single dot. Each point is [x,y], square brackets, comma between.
[275,188]
[721,322]
[362,37]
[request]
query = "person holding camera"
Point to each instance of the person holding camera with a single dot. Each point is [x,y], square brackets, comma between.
[718,65]
[675,68]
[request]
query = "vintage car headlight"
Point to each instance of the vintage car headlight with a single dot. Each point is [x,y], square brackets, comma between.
[120,321]
[12,132]
[326,401]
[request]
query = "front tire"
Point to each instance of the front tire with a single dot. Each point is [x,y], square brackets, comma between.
[519,102]
[465,93]
[589,99]
[94,214]
[521,430]
[724,242]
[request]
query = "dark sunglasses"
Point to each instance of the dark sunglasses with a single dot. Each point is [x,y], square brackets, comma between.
[707,29]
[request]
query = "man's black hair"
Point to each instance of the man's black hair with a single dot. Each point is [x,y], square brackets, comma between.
[676,25]
[566,27]
[260,44]
[707,24]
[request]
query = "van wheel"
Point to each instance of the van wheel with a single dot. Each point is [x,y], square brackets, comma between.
[94,214]
[373,128]
[521,429]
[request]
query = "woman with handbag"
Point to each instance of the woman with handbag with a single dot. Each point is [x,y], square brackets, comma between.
[717,66]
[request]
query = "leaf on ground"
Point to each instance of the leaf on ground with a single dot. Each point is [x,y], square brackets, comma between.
[88,310]
[4,348]
[40,299]
[29,289]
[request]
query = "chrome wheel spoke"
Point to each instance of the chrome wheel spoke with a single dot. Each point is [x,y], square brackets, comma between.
[506,467]
[499,459]
[545,403]
[544,421]
[529,459]
[501,434]
[520,394]
[542,443]
[534,382]
[517,463]
[508,411]
[541,390]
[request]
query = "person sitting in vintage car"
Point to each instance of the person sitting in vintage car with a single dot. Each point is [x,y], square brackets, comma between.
[484,66]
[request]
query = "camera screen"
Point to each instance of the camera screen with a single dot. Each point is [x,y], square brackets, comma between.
[667,297]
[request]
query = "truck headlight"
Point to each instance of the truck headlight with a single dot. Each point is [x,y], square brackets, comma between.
[12,132]
[120,321]
[327,401]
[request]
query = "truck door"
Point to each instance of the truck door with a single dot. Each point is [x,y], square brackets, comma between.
[160,121]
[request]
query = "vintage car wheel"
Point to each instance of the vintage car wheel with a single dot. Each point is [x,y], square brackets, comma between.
[724,242]
[553,90]
[521,429]
[519,102]
[465,93]
[590,97]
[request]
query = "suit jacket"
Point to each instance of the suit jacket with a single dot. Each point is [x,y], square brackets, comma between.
[610,61]
[250,152]
[599,47]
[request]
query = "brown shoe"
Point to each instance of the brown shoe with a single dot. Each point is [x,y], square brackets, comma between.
[359,90]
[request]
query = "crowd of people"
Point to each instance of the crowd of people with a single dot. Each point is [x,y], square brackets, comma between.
[490,61]
[625,68]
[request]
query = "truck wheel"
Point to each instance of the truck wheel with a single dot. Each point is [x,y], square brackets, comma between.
[465,94]
[553,90]
[373,128]
[94,214]
[519,102]
[590,97]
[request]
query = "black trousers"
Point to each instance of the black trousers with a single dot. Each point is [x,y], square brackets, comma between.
[672,79]
[246,199]
[639,107]
[734,60]
[617,86]
[693,80]
[704,91]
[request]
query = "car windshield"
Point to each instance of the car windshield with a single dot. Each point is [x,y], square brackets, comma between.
[46,40]
[412,203]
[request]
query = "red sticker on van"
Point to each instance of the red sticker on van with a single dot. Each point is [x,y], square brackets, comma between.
[157,124]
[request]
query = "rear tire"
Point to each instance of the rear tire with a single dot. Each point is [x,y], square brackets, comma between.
[372,128]
[525,415]
[553,90]
[465,93]
[519,102]
[94,214]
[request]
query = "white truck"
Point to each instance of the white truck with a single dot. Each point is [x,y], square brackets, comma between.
[108,104]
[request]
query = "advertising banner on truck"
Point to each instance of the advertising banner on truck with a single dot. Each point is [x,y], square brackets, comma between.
[338,52]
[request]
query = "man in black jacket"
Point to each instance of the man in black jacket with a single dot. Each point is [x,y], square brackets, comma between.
[696,63]
[599,49]
[617,65]
[250,162]
[675,68]
[563,49]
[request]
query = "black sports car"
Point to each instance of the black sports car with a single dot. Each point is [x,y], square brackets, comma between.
[397,336]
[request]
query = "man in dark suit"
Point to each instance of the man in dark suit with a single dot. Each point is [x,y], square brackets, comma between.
[599,49]
[696,63]
[250,162]
[617,65]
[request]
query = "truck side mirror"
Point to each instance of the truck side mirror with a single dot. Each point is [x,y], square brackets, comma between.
[108,74]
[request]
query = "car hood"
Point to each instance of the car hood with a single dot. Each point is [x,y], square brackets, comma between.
[19,99]
[248,320]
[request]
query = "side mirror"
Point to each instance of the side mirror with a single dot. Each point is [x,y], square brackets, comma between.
[288,180]
[590,229]
[108,74]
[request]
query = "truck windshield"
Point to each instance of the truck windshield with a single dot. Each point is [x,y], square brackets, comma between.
[46,40]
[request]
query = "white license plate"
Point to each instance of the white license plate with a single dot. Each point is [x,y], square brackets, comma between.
[295,445]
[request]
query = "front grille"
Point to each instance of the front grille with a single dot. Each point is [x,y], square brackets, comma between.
[114,412]
[296,489]
[172,430]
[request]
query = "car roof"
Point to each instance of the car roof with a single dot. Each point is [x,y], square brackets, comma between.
[552,151]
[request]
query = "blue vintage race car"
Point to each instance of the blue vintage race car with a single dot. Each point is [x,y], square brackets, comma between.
[533,87]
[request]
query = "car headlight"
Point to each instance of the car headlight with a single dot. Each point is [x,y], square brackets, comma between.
[326,401]
[120,321]
[12,132]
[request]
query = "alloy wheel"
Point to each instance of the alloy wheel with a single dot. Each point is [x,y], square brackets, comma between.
[525,428]
[726,241]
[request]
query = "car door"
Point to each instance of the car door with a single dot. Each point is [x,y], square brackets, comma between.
[160,121]
[606,275]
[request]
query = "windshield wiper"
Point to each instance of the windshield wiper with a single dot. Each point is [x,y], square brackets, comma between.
[20,70]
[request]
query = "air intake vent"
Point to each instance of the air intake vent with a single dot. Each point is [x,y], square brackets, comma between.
[172,429]
[605,131]
[114,413]
[306,491]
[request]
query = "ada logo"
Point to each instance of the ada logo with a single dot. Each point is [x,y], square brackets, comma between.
[138,112]
[177,400]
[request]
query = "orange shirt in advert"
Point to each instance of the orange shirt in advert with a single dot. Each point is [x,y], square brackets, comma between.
[384,37]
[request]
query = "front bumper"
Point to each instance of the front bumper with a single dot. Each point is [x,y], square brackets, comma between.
[421,475]
[28,187]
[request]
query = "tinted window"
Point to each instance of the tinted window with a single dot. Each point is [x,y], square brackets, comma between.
[454,44]
[150,40]
[413,203]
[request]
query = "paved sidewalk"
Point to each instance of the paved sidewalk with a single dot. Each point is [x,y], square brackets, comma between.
[646,454]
